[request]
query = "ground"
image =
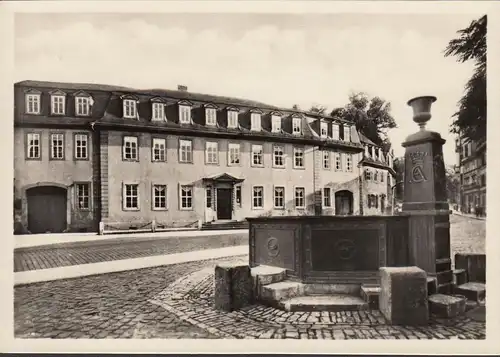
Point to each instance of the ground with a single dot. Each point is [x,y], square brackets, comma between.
[133,304]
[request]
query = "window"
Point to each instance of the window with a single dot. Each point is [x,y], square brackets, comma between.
[483,180]
[372,201]
[81,146]
[82,105]
[186,197]
[375,176]
[131,197]
[184,114]
[33,103]
[33,146]
[276,124]
[381,177]
[347,133]
[57,146]
[279,197]
[158,111]
[238,195]
[279,156]
[232,119]
[375,200]
[257,155]
[348,164]
[296,125]
[211,152]
[234,154]
[209,197]
[129,108]
[327,197]
[326,160]
[324,129]
[159,150]
[130,148]
[338,161]
[57,104]
[299,197]
[185,151]
[335,132]
[258,197]
[368,175]
[210,116]
[298,157]
[159,197]
[83,196]
[255,121]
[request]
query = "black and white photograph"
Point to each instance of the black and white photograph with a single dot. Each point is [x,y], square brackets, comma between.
[268,174]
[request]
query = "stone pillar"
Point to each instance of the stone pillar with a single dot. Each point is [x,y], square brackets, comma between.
[425,200]
[318,189]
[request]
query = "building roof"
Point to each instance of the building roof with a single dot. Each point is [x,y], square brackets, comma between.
[365,140]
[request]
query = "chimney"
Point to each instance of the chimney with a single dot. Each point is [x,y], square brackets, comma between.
[182,88]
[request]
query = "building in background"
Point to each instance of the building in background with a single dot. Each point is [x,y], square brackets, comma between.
[89,153]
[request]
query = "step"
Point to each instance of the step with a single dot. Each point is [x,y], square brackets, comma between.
[325,289]
[443,264]
[444,277]
[447,288]
[334,303]
[265,274]
[447,306]
[370,295]
[459,276]
[431,285]
[282,290]
[473,291]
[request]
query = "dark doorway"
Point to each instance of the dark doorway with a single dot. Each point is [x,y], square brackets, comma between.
[343,203]
[224,203]
[46,209]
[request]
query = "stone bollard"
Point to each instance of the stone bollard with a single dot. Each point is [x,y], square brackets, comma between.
[474,265]
[101,228]
[403,295]
[233,287]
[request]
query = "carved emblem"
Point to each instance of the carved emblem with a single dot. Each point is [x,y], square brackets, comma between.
[417,170]
[346,249]
[273,248]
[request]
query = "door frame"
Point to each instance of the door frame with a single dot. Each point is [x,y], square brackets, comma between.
[230,189]
[341,197]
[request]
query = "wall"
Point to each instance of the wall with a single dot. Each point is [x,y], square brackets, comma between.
[375,188]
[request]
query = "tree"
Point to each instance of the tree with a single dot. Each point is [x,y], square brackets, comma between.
[470,119]
[399,167]
[372,117]
[318,109]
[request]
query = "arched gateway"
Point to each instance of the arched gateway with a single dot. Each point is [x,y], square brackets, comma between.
[46,209]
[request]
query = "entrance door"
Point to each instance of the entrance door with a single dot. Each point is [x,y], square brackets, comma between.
[343,203]
[224,203]
[46,209]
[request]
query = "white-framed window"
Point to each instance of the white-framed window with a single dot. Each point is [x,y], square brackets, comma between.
[212,152]
[279,156]
[335,131]
[57,104]
[298,157]
[158,111]
[237,193]
[129,108]
[232,119]
[32,103]
[279,197]
[296,126]
[185,151]
[210,116]
[368,174]
[57,146]
[258,197]
[257,155]
[184,114]
[186,197]
[159,197]
[159,150]
[81,146]
[324,129]
[375,176]
[327,197]
[348,162]
[234,154]
[326,160]
[276,124]
[130,148]
[82,106]
[300,197]
[131,197]
[255,122]
[347,133]
[33,146]
[338,161]
[382,176]
[82,196]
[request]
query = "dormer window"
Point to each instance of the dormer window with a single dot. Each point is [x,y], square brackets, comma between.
[335,131]
[297,126]
[255,122]
[58,103]
[130,108]
[276,123]
[210,116]
[347,133]
[324,129]
[158,111]
[232,118]
[82,104]
[184,114]
[33,102]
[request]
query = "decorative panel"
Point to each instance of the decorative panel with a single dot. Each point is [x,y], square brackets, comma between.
[276,245]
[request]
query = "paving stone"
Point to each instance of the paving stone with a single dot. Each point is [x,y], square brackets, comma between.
[446,305]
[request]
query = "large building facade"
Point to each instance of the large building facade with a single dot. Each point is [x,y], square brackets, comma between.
[86,154]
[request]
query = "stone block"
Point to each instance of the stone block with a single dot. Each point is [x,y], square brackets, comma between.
[472,291]
[370,294]
[447,306]
[431,285]
[474,265]
[459,276]
[233,287]
[403,295]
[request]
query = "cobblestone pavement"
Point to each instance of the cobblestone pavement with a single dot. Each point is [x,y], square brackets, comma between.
[66,254]
[468,235]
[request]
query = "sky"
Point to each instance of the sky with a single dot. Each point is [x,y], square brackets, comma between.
[279,59]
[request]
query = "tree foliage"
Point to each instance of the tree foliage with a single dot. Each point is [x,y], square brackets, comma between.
[470,119]
[318,109]
[372,117]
